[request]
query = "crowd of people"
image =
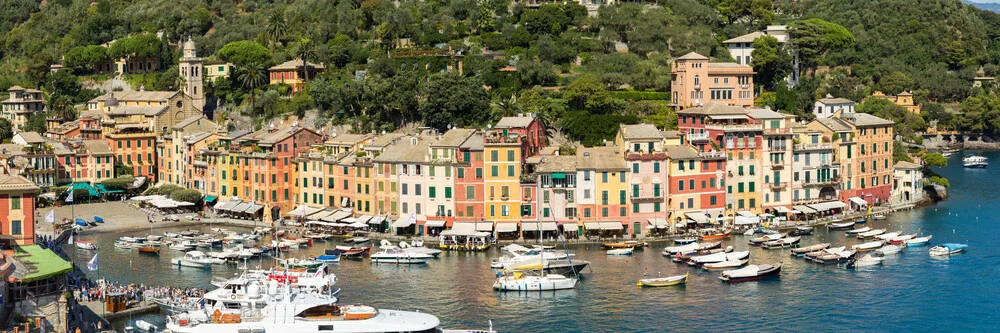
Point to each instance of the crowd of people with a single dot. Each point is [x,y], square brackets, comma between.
[96,291]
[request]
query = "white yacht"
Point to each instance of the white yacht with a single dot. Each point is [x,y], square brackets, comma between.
[195,259]
[522,256]
[395,255]
[413,248]
[975,161]
[522,281]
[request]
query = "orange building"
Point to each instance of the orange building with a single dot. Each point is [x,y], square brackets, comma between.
[17,209]
[290,73]
[695,81]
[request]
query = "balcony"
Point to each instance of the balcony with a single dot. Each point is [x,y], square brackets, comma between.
[646,198]
[777,166]
[735,127]
[776,131]
[777,186]
[821,183]
[814,146]
[697,136]
[697,86]
[712,155]
[656,156]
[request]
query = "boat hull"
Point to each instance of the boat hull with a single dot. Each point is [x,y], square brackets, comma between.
[760,276]
[399,260]
[661,282]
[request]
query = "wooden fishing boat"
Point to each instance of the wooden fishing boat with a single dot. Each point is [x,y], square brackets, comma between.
[716,235]
[766,238]
[867,246]
[840,225]
[783,242]
[901,238]
[801,231]
[918,241]
[858,231]
[871,234]
[726,264]
[623,245]
[149,250]
[663,282]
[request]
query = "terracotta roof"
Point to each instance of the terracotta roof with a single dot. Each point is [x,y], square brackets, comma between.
[671,134]
[835,124]
[190,120]
[406,151]
[141,96]
[267,137]
[454,137]
[692,56]
[831,100]
[864,119]
[16,88]
[599,158]
[557,163]
[383,141]
[10,182]
[514,122]
[765,114]
[906,165]
[295,64]
[31,137]
[474,142]
[681,152]
[714,108]
[349,139]
[748,38]
[97,147]
[640,131]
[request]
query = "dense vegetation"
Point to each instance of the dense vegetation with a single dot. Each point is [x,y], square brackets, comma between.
[581,74]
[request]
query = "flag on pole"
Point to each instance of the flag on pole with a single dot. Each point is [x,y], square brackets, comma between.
[51,216]
[92,264]
[69,198]
[303,211]
[70,242]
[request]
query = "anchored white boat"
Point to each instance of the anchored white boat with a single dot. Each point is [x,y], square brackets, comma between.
[521,281]
[887,236]
[947,249]
[888,249]
[414,248]
[870,234]
[858,231]
[867,246]
[918,241]
[195,259]
[86,245]
[396,255]
[621,252]
[867,261]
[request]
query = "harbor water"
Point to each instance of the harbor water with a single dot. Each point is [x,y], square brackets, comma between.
[910,292]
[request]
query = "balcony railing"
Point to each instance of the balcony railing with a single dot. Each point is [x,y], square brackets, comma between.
[777,186]
[697,136]
[713,155]
[777,166]
[647,198]
[735,127]
[697,86]
[813,146]
[825,182]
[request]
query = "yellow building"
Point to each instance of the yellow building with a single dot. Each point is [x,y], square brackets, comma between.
[904,99]
[503,177]
[610,187]
[291,73]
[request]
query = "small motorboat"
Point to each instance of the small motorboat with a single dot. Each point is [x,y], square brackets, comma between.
[860,221]
[626,244]
[124,245]
[621,252]
[751,273]
[691,247]
[715,235]
[726,264]
[327,258]
[749,232]
[766,238]
[858,231]
[683,241]
[801,231]
[947,249]
[901,238]
[867,261]
[834,257]
[145,326]
[717,257]
[86,245]
[399,256]
[879,217]
[887,236]
[917,241]
[293,263]
[196,259]
[823,252]
[359,240]
[888,249]
[871,234]
[663,282]
[98,219]
[349,252]
[840,225]
[149,250]
[171,234]
[867,246]
[780,243]
[799,251]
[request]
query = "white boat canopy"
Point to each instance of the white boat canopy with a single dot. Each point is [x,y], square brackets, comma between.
[858,201]
[698,217]
[434,223]
[507,227]
[402,223]
[804,209]
[611,225]
[658,223]
[825,206]
[744,220]
[484,226]
[377,220]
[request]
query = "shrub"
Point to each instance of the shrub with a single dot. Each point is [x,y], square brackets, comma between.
[191,196]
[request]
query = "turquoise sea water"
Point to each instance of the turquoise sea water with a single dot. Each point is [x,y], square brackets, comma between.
[911,292]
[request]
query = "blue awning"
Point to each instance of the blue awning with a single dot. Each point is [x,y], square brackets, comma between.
[559,176]
[84,186]
[101,188]
[210,198]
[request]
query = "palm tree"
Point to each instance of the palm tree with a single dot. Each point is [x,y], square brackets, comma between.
[305,51]
[252,75]
[276,28]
